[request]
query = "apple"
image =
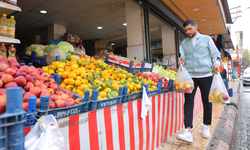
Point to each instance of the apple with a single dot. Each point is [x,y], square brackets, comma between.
[10,71]
[31,78]
[3,101]
[67,103]
[28,86]
[3,67]
[72,101]
[52,105]
[46,76]
[64,96]
[25,106]
[59,103]
[40,70]
[38,101]
[6,78]
[20,80]
[225,96]
[15,64]
[79,100]
[10,85]
[27,96]
[1,83]
[2,91]
[35,90]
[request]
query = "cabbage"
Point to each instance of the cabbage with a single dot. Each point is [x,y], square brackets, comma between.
[66,47]
[28,53]
[50,47]
[39,53]
[31,47]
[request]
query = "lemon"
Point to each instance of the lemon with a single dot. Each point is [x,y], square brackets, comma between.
[107,90]
[102,94]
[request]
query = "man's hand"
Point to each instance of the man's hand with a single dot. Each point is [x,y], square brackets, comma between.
[182,62]
[216,69]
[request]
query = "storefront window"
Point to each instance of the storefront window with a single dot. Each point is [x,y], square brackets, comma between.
[181,37]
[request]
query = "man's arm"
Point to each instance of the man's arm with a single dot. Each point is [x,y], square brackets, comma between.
[215,54]
[182,57]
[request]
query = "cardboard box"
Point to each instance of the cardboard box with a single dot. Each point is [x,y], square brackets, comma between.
[97,44]
[101,42]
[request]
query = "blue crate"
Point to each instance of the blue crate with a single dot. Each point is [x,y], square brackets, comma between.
[129,68]
[132,96]
[146,67]
[169,88]
[97,104]
[55,41]
[38,60]
[154,92]
[65,111]
[11,122]
[31,113]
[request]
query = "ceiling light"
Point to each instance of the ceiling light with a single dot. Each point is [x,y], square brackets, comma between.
[99,27]
[43,11]
[196,9]
[210,27]
[113,6]
[125,24]
[112,43]
[204,19]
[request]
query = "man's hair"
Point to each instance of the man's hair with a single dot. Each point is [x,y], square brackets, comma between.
[189,21]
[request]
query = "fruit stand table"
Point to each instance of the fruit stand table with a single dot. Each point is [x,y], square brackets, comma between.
[121,127]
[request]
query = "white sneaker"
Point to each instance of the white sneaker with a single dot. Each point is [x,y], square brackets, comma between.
[205,132]
[186,136]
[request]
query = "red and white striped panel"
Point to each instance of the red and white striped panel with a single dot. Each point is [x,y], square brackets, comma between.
[120,127]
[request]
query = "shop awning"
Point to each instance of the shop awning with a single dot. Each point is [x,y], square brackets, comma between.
[211,15]
[227,40]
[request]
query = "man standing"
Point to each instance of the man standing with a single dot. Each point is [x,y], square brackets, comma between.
[196,52]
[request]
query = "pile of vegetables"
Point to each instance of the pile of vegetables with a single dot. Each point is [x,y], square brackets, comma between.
[39,49]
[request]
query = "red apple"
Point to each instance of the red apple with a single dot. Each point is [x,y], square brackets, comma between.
[38,101]
[64,96]
[23,91]
[1,74]
[53,86]
[1,83]
[28,86]
[32,69]
[67,103]
[6,78]
[36,90]
[46,76]
[3,67]
[27,96]
[20,73]
[41,78]
[72,101]
[10,71]
[46,83]
[37,83]
[3,100]
[15,64]
[59,103]
[79,100]
[51,91]
[3,59]
[25,106]
[10,85]
[21,80]
[45,92]
[52,105]
[2,91]
[15,68]
[43,86]
[40,70]
[225,96]
[51,80]
[11,61]
[31,78]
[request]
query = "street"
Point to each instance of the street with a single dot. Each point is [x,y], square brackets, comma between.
[241,137]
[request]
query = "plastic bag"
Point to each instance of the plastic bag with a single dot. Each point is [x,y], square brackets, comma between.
[218,92]
[80,50]
[45,135]
[183,82]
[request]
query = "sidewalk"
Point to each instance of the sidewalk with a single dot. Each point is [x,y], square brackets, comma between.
[199,143]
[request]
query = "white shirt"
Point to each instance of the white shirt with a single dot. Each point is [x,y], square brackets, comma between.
[212,49]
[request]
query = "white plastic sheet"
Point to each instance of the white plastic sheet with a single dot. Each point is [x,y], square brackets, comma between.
[45,135]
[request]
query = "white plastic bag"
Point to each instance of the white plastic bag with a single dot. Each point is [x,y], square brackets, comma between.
[145,104]
[183,82]
[80,50]
[45,135]
[218,92]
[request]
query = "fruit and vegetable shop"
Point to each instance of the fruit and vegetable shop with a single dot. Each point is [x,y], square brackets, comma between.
[100,74]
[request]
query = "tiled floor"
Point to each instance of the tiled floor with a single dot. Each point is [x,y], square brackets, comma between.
[199,143]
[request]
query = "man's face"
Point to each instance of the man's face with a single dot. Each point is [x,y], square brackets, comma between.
[191,30]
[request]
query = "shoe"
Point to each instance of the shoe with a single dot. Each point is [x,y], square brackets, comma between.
[205,132]
[186,136]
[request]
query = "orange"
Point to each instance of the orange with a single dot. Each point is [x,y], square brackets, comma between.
[62,85]
[176,82]
[93,67]
[180,87]
[66,81]
[72,75]
[65,74]
[51,71]
[188,86]
[74,67]
[71,81]
[176,88]
[102,94]
[84,81]
[77,72]
[77,82]
[107,90]
[123,76]
[78,78]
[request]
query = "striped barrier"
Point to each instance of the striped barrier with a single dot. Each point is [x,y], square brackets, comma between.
[120,127]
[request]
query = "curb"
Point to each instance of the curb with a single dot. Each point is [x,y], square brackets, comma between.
[224,130]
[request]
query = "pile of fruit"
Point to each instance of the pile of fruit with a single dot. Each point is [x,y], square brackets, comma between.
[154,77]
[217,96]
[168,73]
[83,74]
[34,82]
[184,86]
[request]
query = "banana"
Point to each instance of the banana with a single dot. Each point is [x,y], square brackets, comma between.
[220,98]
[211,97]
[216,94]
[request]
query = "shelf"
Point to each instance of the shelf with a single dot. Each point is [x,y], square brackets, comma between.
[8,9]
[102,48]
[9,40]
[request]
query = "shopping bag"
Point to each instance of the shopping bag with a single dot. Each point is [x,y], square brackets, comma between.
[80,50]
[218,92]
[183,82]
[45,135]
[145,104]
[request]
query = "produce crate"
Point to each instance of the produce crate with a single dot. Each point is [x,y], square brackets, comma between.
[65,111]
[130,66]
[169,88]
[97,104]
[31,113]
[147,67]
[132,96]
[154,92]
[55,41]
[12,121]
[38,60]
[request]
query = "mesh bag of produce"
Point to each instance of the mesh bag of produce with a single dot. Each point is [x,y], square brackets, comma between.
[183,82]
[51,56]
[218,92]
